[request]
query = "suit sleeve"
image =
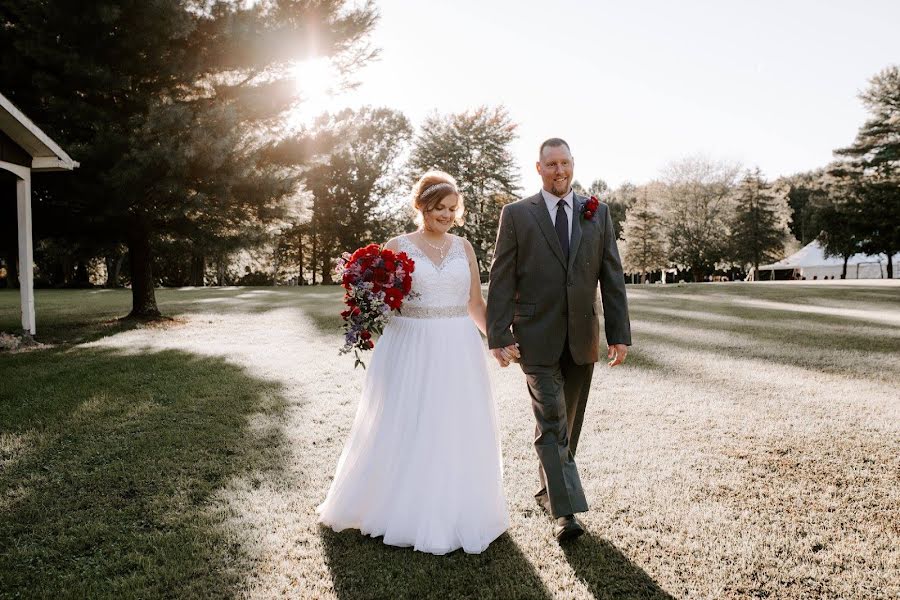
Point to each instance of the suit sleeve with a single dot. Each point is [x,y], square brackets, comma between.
[612,289]
[502,287]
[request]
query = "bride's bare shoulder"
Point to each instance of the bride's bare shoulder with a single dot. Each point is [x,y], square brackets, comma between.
[466,244]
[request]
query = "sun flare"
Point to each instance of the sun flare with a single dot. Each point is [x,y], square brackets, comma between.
[317,84]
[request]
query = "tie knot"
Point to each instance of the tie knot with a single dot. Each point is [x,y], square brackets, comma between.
[561,203]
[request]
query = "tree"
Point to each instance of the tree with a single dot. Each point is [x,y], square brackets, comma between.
[644,246]
[619,201]
[170,107]
[758,223]
[350,186]
[473,147]
[875,154]
[696,213]
[799,191]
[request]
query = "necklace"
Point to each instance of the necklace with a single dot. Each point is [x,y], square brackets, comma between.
[441,249]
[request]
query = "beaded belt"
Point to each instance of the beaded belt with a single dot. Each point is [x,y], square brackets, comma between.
[433,312]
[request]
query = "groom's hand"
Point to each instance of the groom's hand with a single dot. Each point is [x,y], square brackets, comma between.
[506,355]
[617,352]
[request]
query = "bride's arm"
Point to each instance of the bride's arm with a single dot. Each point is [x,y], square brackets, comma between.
[477,306]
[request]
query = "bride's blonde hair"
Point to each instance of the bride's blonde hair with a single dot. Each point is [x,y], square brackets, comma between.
[431,188]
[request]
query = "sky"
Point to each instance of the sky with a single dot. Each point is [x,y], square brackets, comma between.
[635,85]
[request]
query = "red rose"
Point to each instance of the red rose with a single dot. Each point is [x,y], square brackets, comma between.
[371,343]
[407,284]
[408,264]
[393,298]
[389,264]
[590,208]
[364,334]
[355,311]
[345,313]
[381,276]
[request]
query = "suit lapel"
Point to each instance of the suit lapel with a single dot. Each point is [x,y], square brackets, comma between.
[576,229]
[539,210]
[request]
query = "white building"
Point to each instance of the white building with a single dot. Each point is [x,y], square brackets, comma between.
[25,149]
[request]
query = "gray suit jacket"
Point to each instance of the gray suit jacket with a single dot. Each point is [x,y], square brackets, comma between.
[536,298]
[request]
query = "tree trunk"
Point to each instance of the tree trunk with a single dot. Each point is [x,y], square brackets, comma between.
[697,275]
[66,268]
[113,267]
[326,271]
[198,269]
[890,265]
[315,256]
[143,292]
[81,273]
[300,280]
[844,270]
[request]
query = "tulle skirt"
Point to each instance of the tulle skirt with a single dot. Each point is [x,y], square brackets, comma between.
[422,465]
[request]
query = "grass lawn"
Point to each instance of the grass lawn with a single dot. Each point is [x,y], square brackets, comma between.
[750,448]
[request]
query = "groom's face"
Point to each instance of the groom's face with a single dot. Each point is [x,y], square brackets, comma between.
[555,168]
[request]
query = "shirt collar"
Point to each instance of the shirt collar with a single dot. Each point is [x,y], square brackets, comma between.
[551,200]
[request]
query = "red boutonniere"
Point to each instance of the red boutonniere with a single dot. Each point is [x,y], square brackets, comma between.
[589,208]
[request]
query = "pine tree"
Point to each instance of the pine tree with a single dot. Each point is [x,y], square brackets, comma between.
[876,154]
[169,106]
[644,246]
[758,227]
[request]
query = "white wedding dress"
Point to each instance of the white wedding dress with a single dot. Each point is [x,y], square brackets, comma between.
[422,465]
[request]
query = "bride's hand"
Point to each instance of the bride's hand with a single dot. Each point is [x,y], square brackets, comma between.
[506,355]
[511,353]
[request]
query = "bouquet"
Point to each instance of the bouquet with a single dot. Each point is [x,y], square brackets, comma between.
[376,281]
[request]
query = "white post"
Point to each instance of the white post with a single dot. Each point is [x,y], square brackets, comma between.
[26,258]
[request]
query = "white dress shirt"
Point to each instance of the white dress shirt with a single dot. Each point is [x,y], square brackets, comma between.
[551,201]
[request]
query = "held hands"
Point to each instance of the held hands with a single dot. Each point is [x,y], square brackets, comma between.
[506,355]
[617,352]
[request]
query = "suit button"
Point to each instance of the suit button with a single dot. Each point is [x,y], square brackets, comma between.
[570,283]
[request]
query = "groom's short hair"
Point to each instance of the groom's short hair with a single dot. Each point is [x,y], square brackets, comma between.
[553,142]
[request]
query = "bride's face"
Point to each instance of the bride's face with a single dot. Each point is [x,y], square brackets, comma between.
[440,218]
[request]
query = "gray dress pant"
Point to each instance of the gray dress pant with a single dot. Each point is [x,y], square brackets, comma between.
[558,397]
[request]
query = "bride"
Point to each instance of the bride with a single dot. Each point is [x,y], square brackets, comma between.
[422,465]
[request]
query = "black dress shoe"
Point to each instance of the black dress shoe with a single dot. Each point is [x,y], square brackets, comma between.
[543,502]
[568,528]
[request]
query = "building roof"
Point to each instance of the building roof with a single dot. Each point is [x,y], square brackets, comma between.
[46,155]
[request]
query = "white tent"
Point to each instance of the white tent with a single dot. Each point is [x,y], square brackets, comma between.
[810,263]
[25,149]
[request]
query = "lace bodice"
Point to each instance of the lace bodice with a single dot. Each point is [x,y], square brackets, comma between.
[437,286]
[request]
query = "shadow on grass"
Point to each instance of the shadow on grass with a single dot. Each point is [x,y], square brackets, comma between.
[639,359]
[364,567]
[608,573]
[107,466]
[774,325]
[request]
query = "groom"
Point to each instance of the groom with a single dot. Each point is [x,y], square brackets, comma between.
[552,252]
